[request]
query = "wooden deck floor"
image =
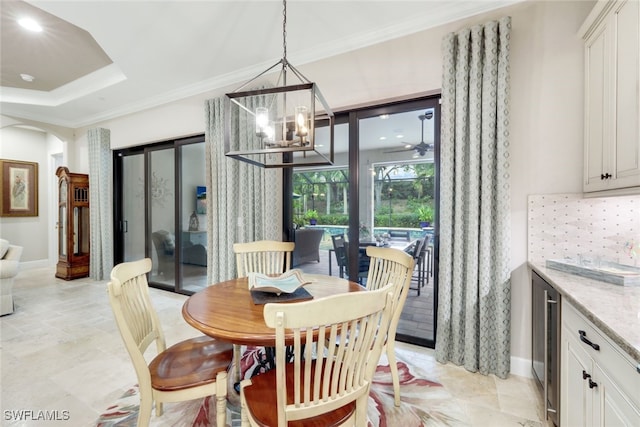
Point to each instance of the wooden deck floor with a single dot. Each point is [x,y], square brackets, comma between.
[417,318]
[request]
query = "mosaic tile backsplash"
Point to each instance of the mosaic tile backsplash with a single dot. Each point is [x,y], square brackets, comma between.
[570,226]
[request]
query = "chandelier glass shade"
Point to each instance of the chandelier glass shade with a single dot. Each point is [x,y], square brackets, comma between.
[279,125]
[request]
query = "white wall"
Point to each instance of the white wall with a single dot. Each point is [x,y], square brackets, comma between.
[546,111]
[32,233]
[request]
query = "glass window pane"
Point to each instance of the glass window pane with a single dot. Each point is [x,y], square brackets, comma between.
[162,204]
[321,202]
[194,218]
[133,203]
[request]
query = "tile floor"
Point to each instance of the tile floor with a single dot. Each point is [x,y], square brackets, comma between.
[61,351]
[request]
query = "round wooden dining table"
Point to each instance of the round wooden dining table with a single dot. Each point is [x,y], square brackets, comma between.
[226,310]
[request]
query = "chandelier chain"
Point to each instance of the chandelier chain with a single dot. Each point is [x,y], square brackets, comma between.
[284,30]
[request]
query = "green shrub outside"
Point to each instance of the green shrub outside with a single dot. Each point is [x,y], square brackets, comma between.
[333,219]
[407,220]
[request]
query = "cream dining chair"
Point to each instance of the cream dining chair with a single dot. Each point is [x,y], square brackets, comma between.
[190,369]
[320,390]
[262,256]
[395,266]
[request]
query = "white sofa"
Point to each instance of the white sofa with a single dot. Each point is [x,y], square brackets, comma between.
[9,262]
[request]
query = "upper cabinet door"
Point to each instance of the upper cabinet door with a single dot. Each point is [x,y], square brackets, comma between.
[626,22]
[596,104]
[612,107]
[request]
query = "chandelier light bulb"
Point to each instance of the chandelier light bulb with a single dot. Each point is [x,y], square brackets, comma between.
[262,121]
[301,122]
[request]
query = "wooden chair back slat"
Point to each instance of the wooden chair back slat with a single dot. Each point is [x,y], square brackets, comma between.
[342,372]
[264,256]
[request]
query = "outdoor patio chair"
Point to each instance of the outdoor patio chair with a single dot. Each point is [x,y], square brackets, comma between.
[417,255]
[341,255]
[341,249]
[363,264]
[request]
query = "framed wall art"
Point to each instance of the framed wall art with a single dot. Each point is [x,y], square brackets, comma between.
[201,200]
[19,183]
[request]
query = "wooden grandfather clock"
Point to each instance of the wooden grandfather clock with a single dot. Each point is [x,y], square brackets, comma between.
[73,224]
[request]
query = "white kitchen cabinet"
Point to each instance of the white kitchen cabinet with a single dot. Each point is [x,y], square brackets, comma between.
[612,102]
[600,384]
[575,361]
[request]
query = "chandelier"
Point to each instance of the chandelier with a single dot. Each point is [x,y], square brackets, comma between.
[274,126]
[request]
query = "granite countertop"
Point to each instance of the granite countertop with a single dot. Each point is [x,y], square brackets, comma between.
[614,309]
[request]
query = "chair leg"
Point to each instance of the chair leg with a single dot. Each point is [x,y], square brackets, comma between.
[221,399]
[395,377]
[244,417]
[237,355]
[144,413]
[361,411]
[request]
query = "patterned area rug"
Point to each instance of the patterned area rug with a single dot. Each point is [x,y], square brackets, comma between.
[423,402]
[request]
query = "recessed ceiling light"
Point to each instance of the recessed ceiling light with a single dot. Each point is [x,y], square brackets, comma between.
[27,77]
[384,116]
[30,24]
[382,138]
[399,136]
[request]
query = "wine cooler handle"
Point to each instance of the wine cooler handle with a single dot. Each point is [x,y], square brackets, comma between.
[546,356]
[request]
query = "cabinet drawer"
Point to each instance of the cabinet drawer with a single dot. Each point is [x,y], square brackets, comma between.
[610,358]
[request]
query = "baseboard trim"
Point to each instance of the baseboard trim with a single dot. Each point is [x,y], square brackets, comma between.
[521,367]
[30,265]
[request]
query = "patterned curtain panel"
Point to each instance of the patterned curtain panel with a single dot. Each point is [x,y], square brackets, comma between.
[244,202]
[474,301]
[100,207]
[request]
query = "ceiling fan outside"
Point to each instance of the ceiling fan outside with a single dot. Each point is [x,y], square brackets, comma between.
[422,147]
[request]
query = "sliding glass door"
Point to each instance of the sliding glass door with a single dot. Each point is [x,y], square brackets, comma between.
[382,190]
[161,183]
[398,166]
[160,211]
[133,195]
[193,214]
[320,203]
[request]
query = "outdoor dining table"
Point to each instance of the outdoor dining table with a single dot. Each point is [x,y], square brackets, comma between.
[227,311]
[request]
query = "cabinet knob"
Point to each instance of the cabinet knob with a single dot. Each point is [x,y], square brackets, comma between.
[604,176]
[585,375]
[592,383]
